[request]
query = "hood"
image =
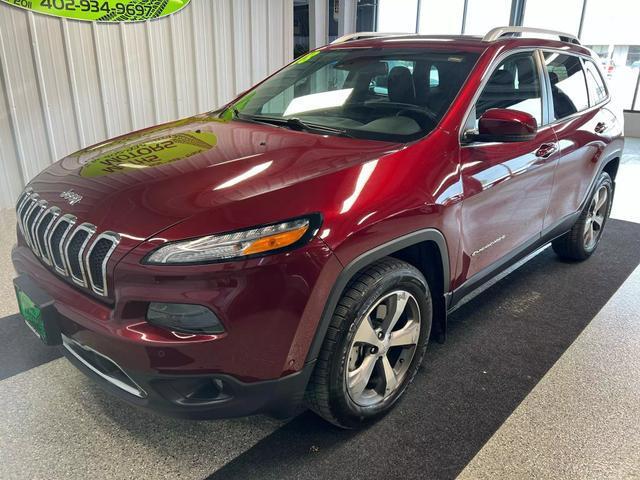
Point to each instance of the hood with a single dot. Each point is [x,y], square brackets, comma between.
[144,182]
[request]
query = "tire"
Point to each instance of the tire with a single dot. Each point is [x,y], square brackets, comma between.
[354,348]
[581,241]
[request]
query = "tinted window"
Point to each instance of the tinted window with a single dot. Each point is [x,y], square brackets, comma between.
[514,84]
[568,86]
[597,90]
[434,76]
[396,94]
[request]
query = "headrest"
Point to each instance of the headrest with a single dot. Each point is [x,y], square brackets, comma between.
[502,78]
[525,71]
[400,85]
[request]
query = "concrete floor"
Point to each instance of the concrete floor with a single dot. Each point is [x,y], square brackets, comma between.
[580,421]
[8,304]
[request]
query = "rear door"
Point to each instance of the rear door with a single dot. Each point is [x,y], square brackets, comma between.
[581,125]
[506,185]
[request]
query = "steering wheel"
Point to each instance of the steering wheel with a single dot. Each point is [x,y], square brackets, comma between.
[412,111]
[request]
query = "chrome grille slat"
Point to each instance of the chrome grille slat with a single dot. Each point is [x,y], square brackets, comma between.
[64,226]
[84,232]
[27,217]
[33,222]
[74,251]
[107,240]
[22,201]
[43,228]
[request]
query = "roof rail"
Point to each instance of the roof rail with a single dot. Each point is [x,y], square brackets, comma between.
[360,35]
[498,32]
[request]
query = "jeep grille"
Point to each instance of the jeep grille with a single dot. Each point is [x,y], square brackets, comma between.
[72,250]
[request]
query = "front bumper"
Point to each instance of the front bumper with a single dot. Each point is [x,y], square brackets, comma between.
[194,396]
[257,365]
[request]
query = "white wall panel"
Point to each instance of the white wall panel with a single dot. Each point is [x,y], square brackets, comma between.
[66,84]
[259,48]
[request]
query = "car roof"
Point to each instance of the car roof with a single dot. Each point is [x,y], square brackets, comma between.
[470,43]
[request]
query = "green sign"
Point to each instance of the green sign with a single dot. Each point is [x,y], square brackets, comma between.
[150,153]
[103,10]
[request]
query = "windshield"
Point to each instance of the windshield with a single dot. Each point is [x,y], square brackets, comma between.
[381,94]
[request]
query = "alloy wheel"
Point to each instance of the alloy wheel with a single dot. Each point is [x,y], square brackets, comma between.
[596,217]
[383,347]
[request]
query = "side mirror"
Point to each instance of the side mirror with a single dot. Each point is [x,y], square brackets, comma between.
[504,125]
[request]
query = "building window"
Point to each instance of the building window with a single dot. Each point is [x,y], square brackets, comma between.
[438,18]
[563,16]
[483,15]
[611,29]
[397,16]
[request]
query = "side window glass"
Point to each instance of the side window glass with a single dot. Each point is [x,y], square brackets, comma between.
[568,85]
[434,77]
[514,84]
[597,90]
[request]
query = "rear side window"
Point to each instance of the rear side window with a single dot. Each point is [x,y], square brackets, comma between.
[568,85]
[434,76]
[514,84]
[597,90]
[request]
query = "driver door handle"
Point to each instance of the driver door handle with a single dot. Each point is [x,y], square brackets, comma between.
[546,150]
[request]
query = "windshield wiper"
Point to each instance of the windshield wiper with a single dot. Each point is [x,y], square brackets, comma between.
[293,123]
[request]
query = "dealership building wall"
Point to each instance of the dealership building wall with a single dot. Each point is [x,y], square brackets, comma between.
[71,84]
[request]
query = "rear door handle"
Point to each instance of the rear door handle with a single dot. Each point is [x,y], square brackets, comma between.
[600,127]
[546,150]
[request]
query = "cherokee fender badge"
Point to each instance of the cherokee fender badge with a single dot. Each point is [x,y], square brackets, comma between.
[489,245]
[71,197]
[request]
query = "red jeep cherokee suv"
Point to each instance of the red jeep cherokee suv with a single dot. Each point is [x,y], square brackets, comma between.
[306,240]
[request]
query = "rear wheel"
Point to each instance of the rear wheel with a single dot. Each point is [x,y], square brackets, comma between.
[583,238]
[374,345]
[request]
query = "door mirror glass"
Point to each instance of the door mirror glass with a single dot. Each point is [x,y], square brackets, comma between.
[504,125]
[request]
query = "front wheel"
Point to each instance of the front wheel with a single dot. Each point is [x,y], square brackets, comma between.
[583,238]
[374,345]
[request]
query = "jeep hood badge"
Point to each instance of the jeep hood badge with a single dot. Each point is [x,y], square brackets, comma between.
[71,197]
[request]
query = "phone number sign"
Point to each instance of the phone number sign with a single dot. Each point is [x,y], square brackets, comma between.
[103,10]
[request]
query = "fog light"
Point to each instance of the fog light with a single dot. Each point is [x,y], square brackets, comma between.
[184,318]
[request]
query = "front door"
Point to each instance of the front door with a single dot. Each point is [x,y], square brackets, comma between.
[506,186]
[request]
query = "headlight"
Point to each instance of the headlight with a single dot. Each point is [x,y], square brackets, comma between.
[245,243]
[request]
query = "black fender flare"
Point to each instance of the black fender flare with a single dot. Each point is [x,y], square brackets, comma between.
[601,166]
[365,259]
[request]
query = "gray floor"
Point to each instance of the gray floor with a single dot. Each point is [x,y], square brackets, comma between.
[55,424]
[580,421]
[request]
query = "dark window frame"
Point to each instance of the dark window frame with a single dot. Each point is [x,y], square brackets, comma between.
[551,105]
[470,116]
[585,62]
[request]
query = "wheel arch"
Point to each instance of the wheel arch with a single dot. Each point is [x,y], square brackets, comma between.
[611,167]
[425,249]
